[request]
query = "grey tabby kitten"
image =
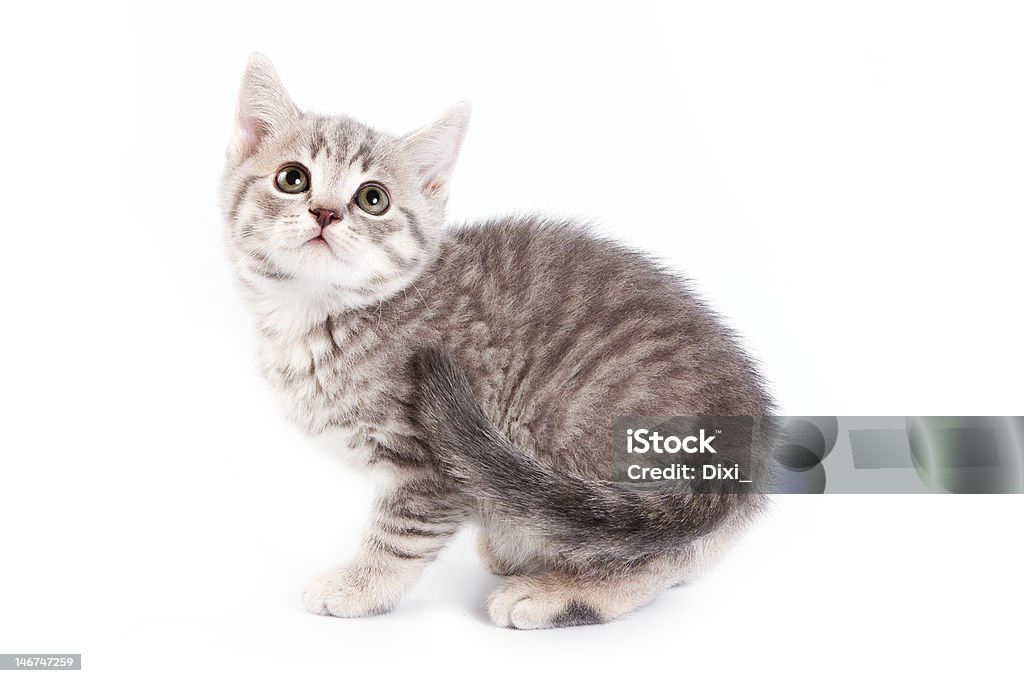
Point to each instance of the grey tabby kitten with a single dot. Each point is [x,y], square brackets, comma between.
[478,367]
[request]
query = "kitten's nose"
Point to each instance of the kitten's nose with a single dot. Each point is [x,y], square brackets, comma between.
[324,216]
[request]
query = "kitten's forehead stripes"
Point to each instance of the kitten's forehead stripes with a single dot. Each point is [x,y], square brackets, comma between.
[364,154]
[318,142]
[339,146]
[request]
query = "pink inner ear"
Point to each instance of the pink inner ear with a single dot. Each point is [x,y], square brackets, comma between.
[433,150]
[249,132]
[437,165]
[431,178]
[254,132]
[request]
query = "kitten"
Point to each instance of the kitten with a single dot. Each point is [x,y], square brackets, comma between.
[479,367]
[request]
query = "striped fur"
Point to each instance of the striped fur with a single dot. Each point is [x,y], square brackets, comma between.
[424,351]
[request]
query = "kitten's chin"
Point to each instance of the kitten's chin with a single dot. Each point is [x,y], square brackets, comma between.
[318,274]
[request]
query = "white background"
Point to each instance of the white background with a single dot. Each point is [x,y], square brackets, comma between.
[842,181]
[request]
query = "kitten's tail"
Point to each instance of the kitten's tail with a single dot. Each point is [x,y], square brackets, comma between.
[578,515]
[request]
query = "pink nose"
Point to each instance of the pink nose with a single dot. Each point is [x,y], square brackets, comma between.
[324,216]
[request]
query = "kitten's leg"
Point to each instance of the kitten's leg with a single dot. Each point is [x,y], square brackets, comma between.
[410,526]
[565,598]
[702,554]
[492,562]
[505,551]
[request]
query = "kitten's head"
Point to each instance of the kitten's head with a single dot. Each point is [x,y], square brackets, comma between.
[327,204]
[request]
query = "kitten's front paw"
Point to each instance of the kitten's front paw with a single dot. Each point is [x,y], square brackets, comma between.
[529,602]
[345,593]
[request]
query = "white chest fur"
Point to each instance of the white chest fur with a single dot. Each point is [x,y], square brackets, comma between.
[309,377]
[329,375]
[313,378]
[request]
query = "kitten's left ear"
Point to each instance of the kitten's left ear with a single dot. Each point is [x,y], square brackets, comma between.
[263,107]
[433,150]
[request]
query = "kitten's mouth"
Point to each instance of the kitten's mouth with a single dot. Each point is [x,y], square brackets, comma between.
[319,242]
[319,246]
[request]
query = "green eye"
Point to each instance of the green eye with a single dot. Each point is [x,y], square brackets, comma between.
[292,179]
[373,199]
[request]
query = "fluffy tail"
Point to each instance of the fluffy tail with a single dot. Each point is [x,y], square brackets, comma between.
[580,516]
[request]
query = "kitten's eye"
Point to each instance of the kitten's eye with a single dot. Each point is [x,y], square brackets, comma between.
[373,199]
[292,180]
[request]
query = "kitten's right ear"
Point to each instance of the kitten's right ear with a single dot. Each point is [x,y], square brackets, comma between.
[263,107]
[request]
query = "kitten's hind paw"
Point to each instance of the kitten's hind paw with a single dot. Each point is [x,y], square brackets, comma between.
[344,593]
[525,602]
